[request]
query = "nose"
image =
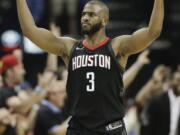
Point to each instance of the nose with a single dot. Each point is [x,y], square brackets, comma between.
[85,18]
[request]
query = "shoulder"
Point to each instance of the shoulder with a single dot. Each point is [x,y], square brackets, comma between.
[158,99]
[160,96]
[119,44]
[120,39]
[119,48]
[68,41]
[77,43]
[44,113]
[7,92]
[43,110]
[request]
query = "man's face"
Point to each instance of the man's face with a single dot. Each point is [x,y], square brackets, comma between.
[57,93]
[18,73]
[176,82]
[91,20]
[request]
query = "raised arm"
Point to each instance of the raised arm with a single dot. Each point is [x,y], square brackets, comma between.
[23,102]
[132,72]
[42,37]
[154,85]
[141,39]
[52,60]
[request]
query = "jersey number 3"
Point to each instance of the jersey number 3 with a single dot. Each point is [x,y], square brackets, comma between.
[90,76]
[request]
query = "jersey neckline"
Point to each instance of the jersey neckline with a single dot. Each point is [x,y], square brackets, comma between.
[97,45]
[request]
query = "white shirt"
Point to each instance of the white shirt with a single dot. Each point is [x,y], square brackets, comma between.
[174,111]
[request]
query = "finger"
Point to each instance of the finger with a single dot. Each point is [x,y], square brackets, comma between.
[146,52]
[52,25]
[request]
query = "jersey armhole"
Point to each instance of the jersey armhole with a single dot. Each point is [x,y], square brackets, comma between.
[116,58]
[73,48]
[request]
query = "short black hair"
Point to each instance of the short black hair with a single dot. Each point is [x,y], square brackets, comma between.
[103,5]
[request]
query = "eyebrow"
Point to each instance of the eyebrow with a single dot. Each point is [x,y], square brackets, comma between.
[88,12]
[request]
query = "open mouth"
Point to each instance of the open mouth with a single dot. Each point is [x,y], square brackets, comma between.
[86,24]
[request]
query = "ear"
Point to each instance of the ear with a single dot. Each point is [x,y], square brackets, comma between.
[104,21]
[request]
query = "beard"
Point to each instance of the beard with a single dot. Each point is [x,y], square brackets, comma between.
[95,28]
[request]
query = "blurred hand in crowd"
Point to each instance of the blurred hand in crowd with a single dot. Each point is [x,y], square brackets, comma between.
[5,116]
[45,79]
[18,53]
[55,29]
[143,58]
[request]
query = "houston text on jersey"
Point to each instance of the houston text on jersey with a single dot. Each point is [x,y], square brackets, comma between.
[96,60]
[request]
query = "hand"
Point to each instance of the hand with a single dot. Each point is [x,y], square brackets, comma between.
[143,58]
[3,113]
[55,29]
[45,79]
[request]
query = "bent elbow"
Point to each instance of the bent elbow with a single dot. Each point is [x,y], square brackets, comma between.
[158,33]
[26,32]
[155,34]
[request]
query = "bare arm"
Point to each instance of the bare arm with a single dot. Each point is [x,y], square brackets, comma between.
[152,86]
[5,119]
[42,37]
[20,104]
[52,60]
[141,39]
[146,92]
[61,129]
[24,123]
[23,102]
[132,72]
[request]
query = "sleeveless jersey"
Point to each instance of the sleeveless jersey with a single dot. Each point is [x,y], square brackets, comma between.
[94,85]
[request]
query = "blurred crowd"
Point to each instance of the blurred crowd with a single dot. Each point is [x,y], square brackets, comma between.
[35,103]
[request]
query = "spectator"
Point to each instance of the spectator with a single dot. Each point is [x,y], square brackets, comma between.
[11,96]
[12,71]
[25,122]
[6,122]
[161,114]
[132,72]
[153,86]
[50,118]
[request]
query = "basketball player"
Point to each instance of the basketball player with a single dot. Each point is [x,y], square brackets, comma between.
[94,85]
